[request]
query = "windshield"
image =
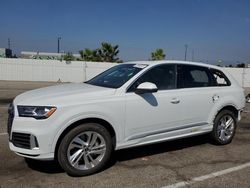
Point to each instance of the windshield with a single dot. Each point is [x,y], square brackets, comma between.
[116,76]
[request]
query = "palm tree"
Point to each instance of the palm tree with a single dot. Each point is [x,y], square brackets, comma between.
[158,54]
[89,55]
[68,57]
[108,53]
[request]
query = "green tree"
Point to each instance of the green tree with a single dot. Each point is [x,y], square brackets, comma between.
[158,54]
[68,57]
[106,53]
[241,65]
[89,55]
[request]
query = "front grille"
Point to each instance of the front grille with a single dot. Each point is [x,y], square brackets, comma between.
[11,113]
[21,140]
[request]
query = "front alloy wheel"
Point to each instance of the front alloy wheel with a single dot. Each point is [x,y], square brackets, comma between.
[85,150]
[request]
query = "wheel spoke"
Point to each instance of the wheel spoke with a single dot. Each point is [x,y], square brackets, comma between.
[93,140]
[86,161]
[222,135]
[219,128]
[98,149]
[75,155]
[223,121]
[78,159]
[78,140]
[89,135]
[229,122]
[93,161]
[74,145]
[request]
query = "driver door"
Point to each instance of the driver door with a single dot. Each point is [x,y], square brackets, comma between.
[152,113]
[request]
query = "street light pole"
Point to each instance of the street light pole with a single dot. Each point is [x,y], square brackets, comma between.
[58,44]
[9,43]
[186,47]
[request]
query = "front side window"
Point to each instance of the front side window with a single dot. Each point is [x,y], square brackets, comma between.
[162,76]
[193,76]
[116,76]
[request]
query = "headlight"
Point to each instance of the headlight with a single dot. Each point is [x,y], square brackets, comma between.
[37,112]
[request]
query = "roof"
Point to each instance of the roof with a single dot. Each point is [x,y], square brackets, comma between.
[174,62]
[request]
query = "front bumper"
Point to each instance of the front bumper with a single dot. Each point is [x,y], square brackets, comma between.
[31,138]
[34,154]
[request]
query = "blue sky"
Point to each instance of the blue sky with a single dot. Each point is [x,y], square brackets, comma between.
[213,29]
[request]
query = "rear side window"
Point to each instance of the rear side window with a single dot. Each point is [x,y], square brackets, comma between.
[220,78]
[190,76]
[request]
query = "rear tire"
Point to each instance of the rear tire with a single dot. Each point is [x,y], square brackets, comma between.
[224,128]
[85,149]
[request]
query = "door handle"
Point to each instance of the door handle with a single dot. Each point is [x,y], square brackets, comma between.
[175,101]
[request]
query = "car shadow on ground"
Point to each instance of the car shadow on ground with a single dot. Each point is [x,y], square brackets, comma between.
[49,167]
[6,101]
[163,147]
[52,167]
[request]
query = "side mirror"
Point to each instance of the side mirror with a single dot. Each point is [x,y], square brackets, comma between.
[146,87]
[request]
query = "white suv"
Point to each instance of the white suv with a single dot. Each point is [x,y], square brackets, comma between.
[129,105]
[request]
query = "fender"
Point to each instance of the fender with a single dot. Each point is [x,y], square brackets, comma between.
[222,103]
[116,124]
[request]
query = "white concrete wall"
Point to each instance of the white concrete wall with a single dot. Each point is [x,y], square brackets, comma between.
[49,70]
[246,76]
[242,75]
[237,73]
[93,68]
[75,71]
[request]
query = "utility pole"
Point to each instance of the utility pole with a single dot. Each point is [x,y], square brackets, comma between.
[58,44]
[8,43]
[193,55]
[186,47]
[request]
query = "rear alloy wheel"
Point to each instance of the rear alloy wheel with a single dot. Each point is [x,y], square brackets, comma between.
[224,127]
[85,149]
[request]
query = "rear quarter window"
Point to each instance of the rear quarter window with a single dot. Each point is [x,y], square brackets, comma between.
[220,78]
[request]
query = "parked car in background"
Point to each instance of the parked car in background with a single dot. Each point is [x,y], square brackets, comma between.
[129,105]
[248,98]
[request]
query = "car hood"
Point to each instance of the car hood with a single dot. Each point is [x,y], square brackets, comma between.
[63,93]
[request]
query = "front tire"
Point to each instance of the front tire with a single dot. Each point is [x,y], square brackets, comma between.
[224,128]
[85,150]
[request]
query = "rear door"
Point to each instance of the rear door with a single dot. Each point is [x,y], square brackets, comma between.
[197,93]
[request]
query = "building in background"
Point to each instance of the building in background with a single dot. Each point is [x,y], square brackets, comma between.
[45,55]
[5,52]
